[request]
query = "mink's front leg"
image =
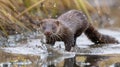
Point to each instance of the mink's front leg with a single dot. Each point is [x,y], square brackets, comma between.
[69,42]
[50,41]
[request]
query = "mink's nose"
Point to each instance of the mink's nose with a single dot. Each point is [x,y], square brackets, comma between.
[47,33]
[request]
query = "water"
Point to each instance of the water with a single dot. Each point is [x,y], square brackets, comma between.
[28,51]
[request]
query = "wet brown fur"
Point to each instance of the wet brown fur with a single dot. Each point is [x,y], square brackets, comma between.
[69,26]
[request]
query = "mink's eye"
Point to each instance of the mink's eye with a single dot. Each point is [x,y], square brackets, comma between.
[54,29]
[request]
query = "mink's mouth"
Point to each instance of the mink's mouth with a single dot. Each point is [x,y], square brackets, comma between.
[48,35]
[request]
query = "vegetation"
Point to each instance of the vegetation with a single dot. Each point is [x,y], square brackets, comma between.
[17,16]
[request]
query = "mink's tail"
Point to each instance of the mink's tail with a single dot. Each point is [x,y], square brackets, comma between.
[97,37]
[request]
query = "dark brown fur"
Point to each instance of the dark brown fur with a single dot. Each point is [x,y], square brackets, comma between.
[69,26]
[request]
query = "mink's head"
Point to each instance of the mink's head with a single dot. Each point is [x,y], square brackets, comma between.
[49,26]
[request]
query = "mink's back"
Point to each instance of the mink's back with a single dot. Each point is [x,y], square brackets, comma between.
[74,20]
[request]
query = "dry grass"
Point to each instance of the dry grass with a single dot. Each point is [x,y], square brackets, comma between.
[16,15]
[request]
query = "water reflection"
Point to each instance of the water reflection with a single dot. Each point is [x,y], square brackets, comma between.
[70,62]
[55,60]
[13,64]
[94,60]
[90,61]
[11,60]
[60,62]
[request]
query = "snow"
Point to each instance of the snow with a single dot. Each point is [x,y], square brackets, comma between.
[34,46]
[31,48]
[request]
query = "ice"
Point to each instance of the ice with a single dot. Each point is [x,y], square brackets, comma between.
[35,47]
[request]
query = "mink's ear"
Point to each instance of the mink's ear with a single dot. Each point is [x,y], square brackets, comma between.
[57,22]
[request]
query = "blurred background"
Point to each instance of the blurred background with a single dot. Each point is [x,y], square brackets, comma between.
[18,16]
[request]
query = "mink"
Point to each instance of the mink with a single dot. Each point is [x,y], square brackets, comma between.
[69,26]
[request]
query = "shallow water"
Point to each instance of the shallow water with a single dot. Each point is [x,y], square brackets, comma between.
[28,51]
